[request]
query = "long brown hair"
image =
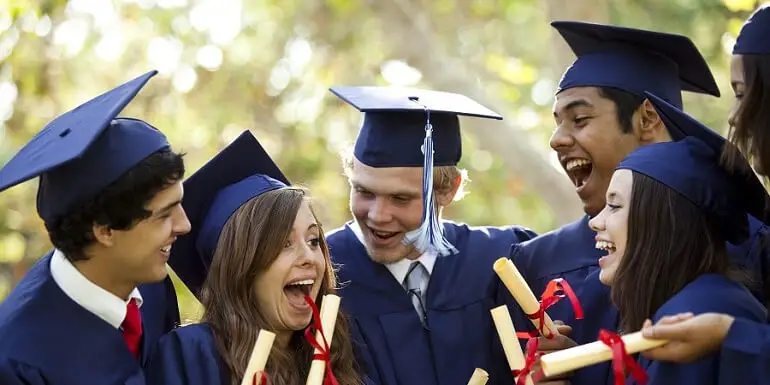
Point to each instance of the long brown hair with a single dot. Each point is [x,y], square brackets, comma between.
[670,243]
[750,130]
[250,242]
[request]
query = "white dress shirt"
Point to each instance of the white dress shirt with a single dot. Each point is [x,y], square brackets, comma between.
[107,306]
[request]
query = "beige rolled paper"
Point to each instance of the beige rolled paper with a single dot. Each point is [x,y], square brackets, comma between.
[329,309]
[567,360]
[259,356]
[479,377]
[507,333]
[522,293]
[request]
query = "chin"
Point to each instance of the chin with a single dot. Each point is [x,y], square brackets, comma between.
[606,277]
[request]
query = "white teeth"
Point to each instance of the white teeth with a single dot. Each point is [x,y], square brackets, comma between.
[166,249]
[605,245]
[305,282]
[575,163]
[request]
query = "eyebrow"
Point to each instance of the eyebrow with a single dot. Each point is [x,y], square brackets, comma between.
[575,104]
[168,207]
[313,226]
[408,194]
[735,85]
[612,195]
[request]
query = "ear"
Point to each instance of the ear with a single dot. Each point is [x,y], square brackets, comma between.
[651,127]
[444,198]
[103,235]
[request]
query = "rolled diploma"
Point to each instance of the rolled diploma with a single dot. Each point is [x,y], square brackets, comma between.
[522,293]
[329,309]
[577,357]
[507,333]
[259,356]
[479,377]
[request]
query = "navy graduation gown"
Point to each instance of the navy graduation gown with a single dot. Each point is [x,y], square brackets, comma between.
[189,356]
[708,293]
[745,355]
[46,338]
[389,340]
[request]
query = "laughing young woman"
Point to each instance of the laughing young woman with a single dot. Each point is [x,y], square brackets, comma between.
[264,251]
[670,209]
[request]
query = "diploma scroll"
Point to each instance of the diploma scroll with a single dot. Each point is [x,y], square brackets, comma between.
[567,360]
[479,377]
[259,356]
[329,309]
[523,294]
[507,333]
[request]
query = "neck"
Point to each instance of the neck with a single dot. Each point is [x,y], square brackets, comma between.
[101,277]
[283,338]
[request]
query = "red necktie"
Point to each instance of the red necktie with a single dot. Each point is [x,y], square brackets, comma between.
[132,327]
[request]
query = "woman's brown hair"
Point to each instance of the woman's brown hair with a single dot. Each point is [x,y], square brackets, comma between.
[750,130]
[670,243]
[250,242]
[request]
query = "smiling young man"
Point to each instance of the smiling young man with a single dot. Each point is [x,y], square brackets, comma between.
[92,310]
[418,289]
[602,115]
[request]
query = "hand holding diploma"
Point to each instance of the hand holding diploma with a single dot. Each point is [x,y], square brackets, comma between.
[609,347]
[256,367]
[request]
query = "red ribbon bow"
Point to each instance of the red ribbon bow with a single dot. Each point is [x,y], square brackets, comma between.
[529,361]
[551,295]
[621,360]
[324,354]
[262,380]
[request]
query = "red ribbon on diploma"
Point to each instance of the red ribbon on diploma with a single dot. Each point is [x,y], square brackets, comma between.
[529,361]
[551,295]
[261,381]
[621,360]
[324,354]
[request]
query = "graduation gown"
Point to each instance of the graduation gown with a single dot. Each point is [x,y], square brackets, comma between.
[745,354]
[189,356]
[389,339]
[708,293]
[46,338]
[570,253]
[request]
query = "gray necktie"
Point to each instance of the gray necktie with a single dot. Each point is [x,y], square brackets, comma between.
[415,287]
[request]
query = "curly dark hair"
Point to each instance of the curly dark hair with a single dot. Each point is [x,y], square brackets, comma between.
[120,206]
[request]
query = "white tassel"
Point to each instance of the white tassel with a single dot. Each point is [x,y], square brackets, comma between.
[430,234]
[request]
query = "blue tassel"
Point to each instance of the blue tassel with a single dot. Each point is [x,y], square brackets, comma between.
[430,234]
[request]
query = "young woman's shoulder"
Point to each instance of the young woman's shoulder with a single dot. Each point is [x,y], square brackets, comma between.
[714,293]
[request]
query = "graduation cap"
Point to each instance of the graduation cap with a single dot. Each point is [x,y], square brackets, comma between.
[83,151]
[409,127]
[753,38]
[634,60]
[240,172]
[691,167]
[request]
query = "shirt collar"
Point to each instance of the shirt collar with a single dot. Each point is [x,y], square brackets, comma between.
[87,294]
[400,268]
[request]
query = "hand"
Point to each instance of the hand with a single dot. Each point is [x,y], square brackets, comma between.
[547,345]
[690,337]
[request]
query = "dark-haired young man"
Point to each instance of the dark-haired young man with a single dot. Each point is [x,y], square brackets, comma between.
[110,193]
[602,115]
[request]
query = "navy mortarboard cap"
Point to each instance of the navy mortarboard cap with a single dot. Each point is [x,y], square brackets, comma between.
[755,34]
[752,194]
[240,172]
[409,127]
[635,61]
[83,151]
[691,168]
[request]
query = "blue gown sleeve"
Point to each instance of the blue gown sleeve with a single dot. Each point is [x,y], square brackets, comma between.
[745,354]
[15,373]
[180,360]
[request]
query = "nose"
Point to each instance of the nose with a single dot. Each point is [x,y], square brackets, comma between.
[379,212]
[560,139]
[597,223]
[182,223]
